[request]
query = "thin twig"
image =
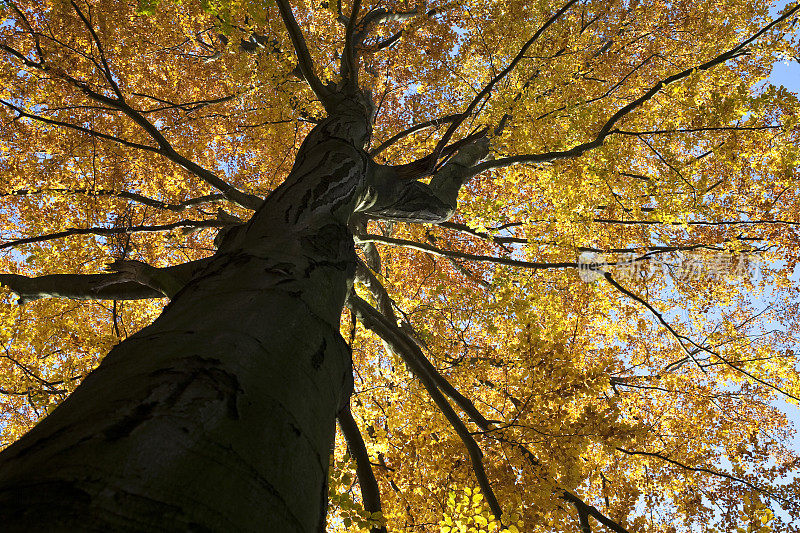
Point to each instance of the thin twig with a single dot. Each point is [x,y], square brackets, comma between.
[707,471]
[115,231]
[135,197]
[607,128]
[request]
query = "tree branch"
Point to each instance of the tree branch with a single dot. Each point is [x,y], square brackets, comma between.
[462,255]
[381,16]
[396,196]
[304,61]
[165,149]
[116,231]
[396,340]
[697,222]
[585,510]
[691,354]
[385,306]
[483,93]
[413,129]
[677,336]
[77,287]
[109,286]
[106,70]
[349,67]
[370,492]
[134,197]
[415,359]
[23,113]
[708,471]
[425,166]
[697,130]
[607,128]
[187,107]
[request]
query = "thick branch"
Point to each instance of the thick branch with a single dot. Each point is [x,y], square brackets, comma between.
[380,16]
[110,286]
[77,287]
[386,43]
[385,303]
[397,341]
[397,198]
[425,166]
[349,69]
[370,492]
[376,16]
[585,510]
[304,61]
[416,359]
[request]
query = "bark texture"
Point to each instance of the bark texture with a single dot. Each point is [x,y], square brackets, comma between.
[220,416]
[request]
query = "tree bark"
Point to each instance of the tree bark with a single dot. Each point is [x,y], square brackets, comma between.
[220,416]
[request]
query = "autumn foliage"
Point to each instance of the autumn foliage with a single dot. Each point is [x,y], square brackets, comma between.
[653,397]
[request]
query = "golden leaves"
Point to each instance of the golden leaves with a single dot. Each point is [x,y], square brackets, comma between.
[570,371]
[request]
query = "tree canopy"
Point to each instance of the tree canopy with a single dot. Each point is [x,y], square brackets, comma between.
[500,384]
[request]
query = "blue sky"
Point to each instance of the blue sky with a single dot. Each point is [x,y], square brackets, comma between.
[787,73]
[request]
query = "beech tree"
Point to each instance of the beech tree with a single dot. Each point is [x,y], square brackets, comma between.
[507,248]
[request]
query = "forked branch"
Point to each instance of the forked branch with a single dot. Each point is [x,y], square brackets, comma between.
[709,471]
[399,343]
[349,69]
[608,127]
[411,130]
[304,61]
[385,306]
[39,62]
[487,89]
[691,353]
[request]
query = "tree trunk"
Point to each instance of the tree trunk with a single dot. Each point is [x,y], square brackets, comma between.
[220,416]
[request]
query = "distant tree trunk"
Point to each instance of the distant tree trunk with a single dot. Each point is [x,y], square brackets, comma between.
[220,416]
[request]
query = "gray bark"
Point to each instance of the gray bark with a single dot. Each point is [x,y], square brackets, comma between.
[121,285]
[220,416]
